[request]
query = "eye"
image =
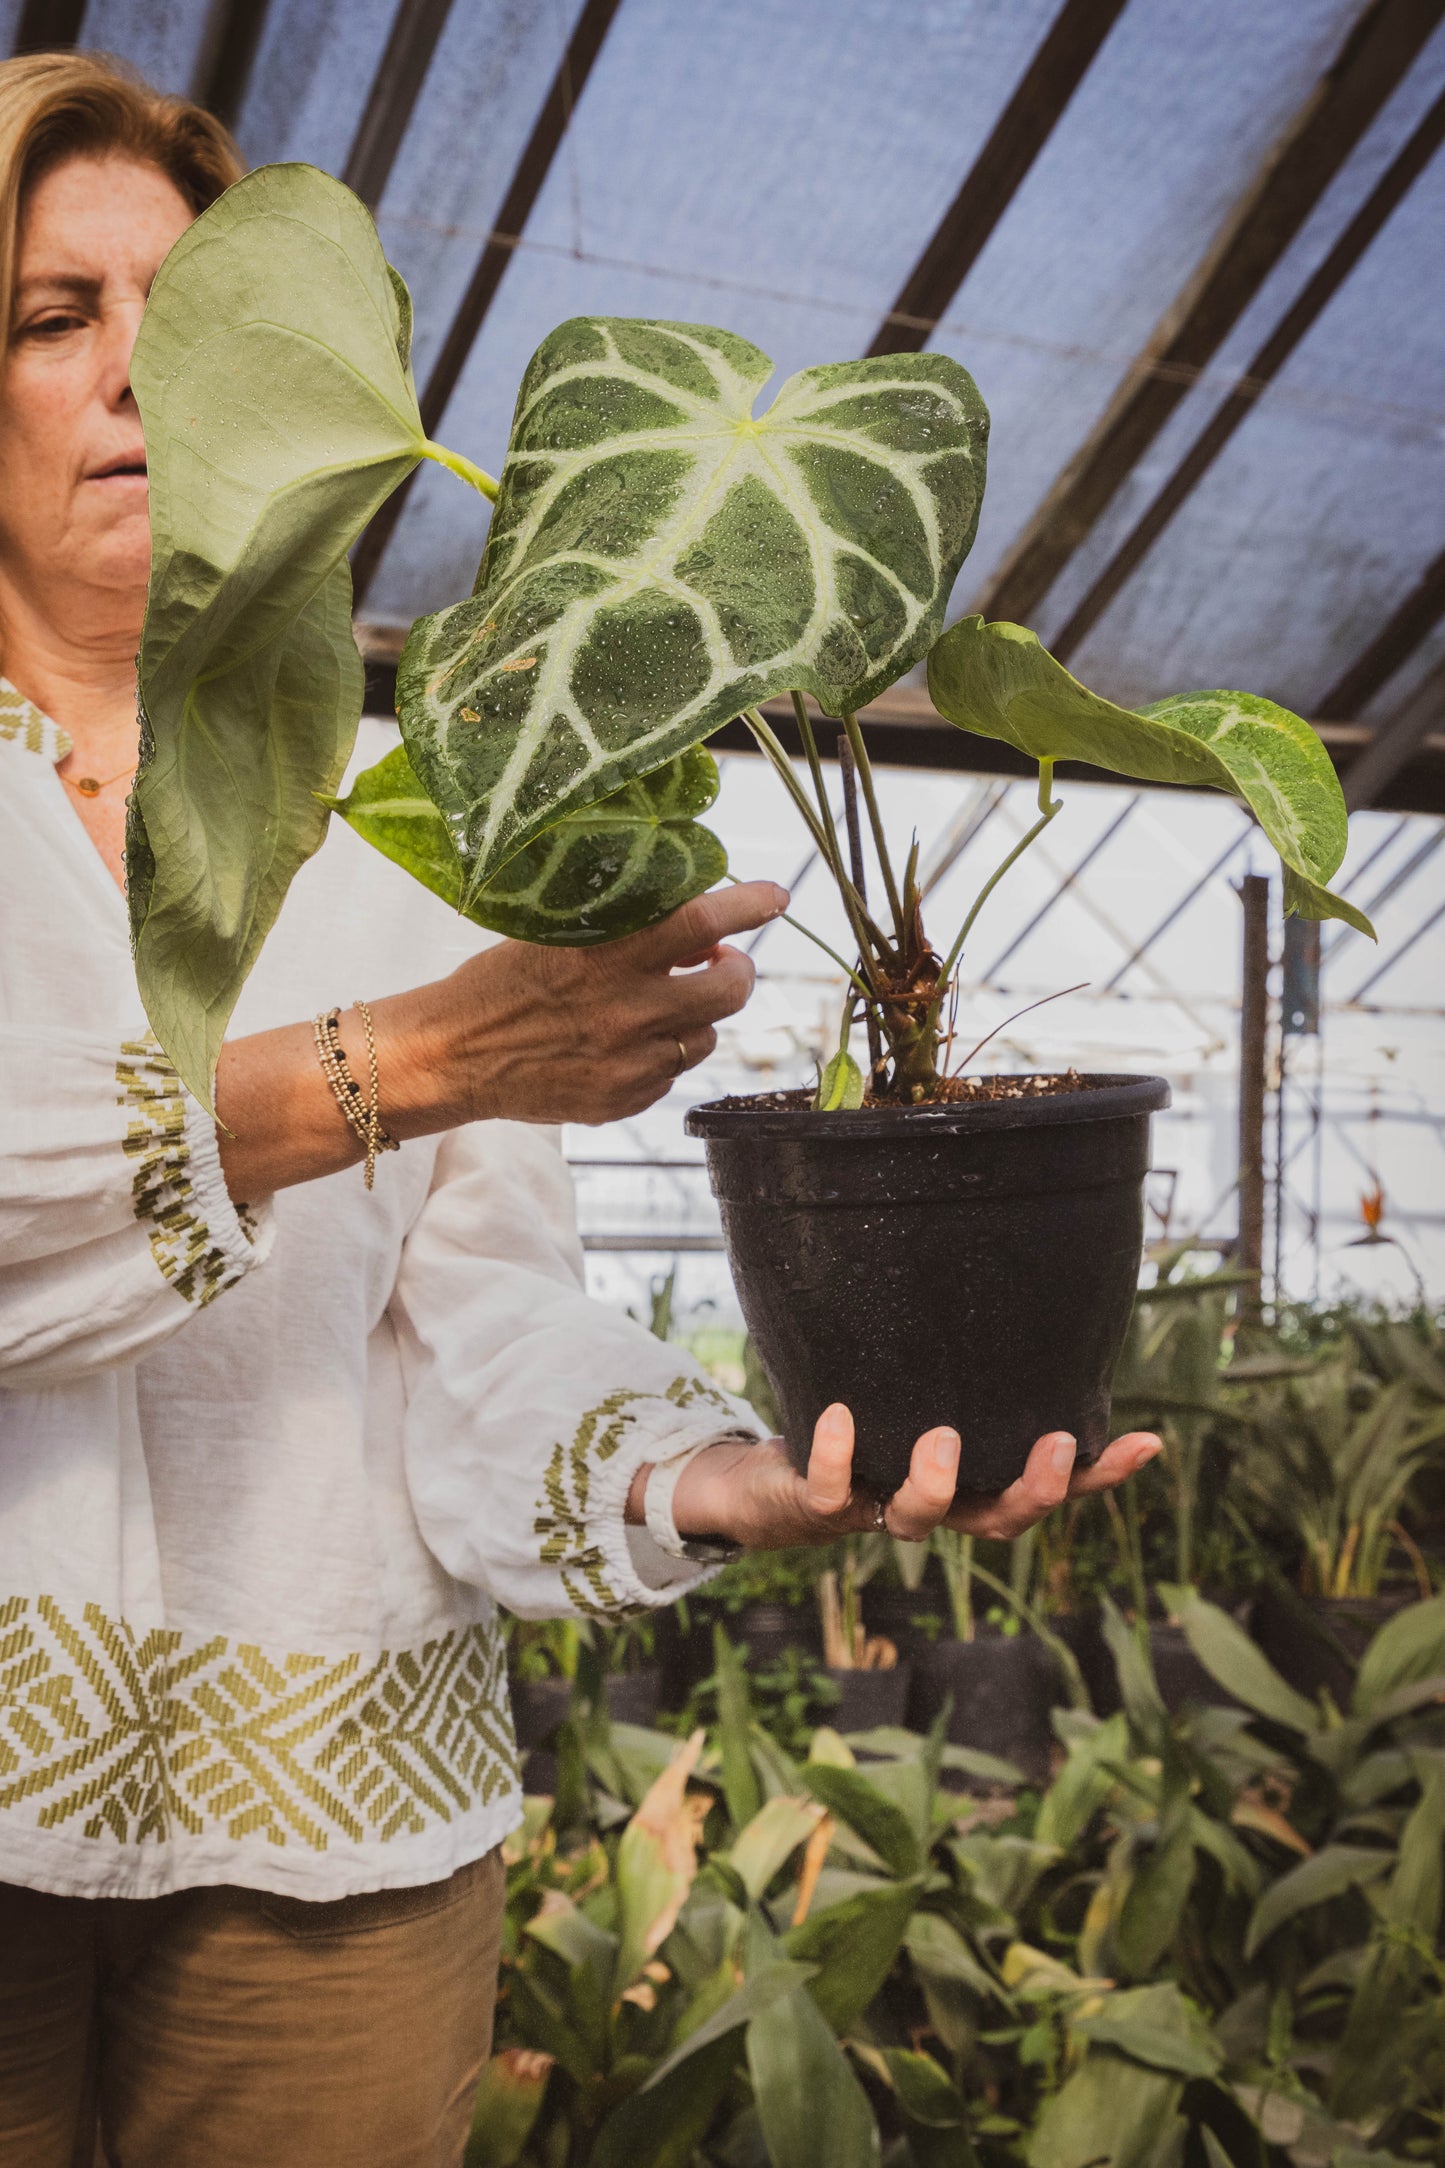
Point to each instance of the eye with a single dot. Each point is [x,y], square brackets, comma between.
[54,324]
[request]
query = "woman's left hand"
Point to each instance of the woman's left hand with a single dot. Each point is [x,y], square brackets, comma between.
[752,1494]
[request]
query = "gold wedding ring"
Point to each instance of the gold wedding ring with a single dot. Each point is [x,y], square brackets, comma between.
[681,1058]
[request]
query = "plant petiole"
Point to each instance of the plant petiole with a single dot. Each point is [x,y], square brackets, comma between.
[875,821]
[816,939]
[1049,806]
[458,464]
[867,934]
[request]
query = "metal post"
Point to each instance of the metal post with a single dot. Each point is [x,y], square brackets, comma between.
[1253,1046]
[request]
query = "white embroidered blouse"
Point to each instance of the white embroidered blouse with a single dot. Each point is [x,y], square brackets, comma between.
[264,1475]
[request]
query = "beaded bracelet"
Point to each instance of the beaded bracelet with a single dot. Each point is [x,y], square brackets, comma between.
[363,1116]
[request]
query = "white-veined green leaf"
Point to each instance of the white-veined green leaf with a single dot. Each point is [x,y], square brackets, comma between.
[599,873]
[998,680]
[660,558]
[272,380]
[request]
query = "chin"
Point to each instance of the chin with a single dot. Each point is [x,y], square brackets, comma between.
[121,557]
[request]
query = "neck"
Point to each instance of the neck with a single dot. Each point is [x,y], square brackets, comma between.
[77,663]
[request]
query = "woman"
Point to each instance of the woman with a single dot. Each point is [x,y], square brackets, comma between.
[272,1444]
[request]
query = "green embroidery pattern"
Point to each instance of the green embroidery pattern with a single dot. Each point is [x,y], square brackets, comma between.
[164,1198]
[568,1542]
[22,722]
[156,1737]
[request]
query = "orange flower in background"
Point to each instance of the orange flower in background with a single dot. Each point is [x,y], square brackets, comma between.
[1372,1207]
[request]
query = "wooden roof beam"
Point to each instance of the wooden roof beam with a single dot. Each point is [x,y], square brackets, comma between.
[1369,68]
[48,26]
[415,33]
[592,26]
[1391,647]
[1020,133]
[227,57]
[1313,298]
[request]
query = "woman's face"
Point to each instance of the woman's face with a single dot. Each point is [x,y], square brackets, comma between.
[73,508]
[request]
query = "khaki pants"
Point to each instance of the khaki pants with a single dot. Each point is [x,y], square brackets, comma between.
[224,2028]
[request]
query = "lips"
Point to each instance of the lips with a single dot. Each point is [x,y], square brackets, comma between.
[120,468]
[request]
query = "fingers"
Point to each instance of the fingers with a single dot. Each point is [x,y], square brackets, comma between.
[1043,1485]
[695,1047]
[923,1500]
[698,926]
[720,989]
[830,1464]
[1125,1457]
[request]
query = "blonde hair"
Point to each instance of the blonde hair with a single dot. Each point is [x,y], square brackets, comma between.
[55,106]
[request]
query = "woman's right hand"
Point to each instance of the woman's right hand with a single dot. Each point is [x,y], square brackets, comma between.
[576,1035]
[519,1033]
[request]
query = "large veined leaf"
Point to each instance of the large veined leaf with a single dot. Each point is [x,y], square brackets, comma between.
[1237,1663]
[271,372]
[509,2100]
[1154,2025]
[660,558]
[1111,2111]
[601,872]
[998,680]
[878,1821]
[810,2105]
[1407,1648]
[227,804]
[657,1862]
[1334,1869]
[853,1944]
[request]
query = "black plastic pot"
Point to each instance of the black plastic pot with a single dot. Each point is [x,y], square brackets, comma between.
[869,1698]
[1316,1642]
[540,1705]
[1180,1676]
[970,1263]
[894,1612]
[767,1631]
[1003,1687]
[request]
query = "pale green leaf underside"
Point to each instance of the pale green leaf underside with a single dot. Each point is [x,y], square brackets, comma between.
[598,874]
[840,1086]
[271,375]
[660,560]
[998,680]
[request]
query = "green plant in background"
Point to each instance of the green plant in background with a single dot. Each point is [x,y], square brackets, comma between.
[1170,1378]
[660,560]
[1333,1443]
[1215,1937]
[555,1648]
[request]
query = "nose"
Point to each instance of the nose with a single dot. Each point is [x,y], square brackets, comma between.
[118,344]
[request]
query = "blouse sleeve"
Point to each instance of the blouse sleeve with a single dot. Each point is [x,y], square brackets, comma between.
[529,1406]
[115,1221]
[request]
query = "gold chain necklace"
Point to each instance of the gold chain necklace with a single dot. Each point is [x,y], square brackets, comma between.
[88,786]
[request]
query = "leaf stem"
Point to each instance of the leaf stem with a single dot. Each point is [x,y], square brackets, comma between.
[1049,806]
[479,479]
[865,932]
[816,939]
[875,819]
[848,769]
[868,936]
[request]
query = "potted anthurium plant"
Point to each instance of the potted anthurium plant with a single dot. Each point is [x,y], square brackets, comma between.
[661,559]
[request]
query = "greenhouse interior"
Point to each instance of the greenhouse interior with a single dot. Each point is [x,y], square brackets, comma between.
[1115,1839]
